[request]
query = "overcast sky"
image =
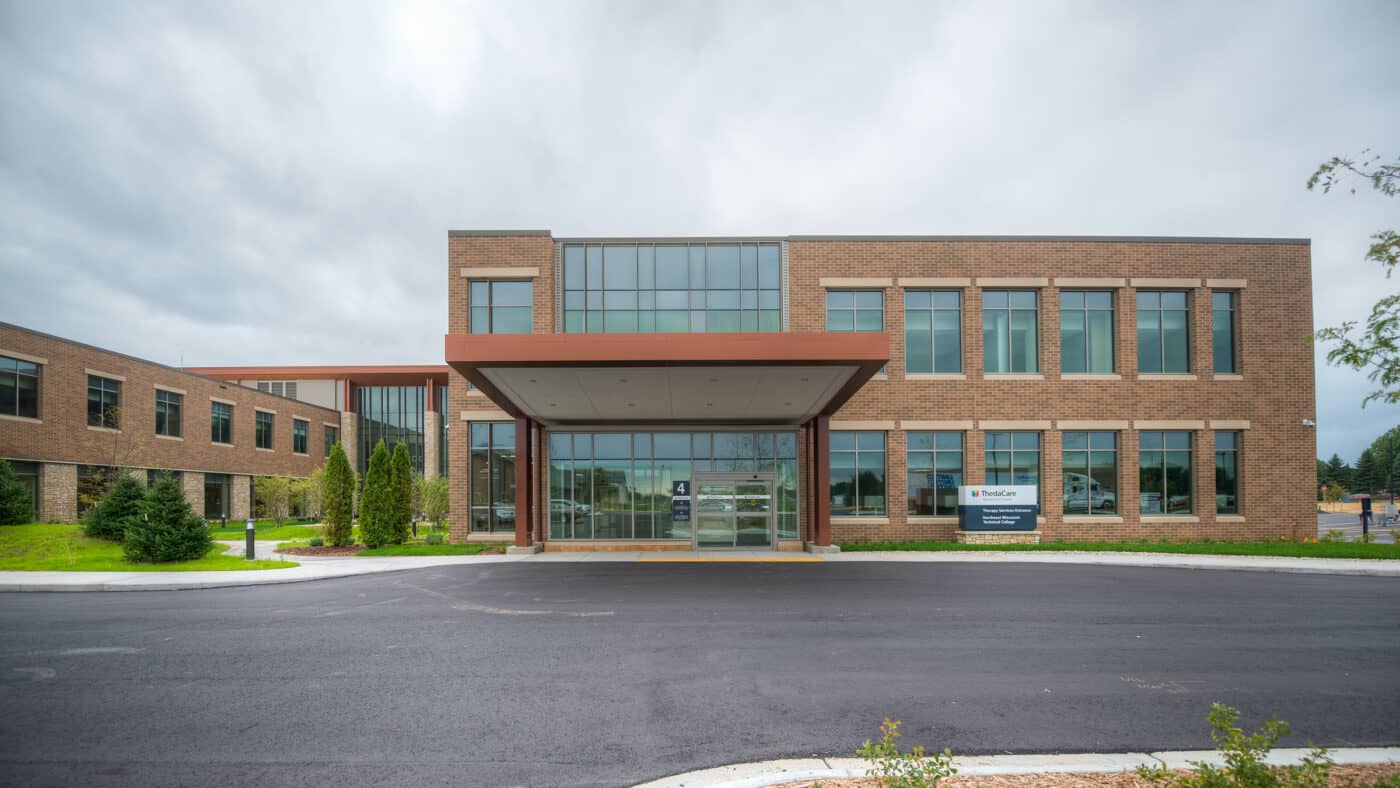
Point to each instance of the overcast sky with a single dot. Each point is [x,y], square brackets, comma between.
[230,183]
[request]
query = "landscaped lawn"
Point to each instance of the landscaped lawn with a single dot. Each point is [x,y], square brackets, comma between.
[429,549]
[57,547]
[1288,549]
[265,529]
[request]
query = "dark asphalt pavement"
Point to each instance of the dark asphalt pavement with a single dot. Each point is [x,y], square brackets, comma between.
[609,673]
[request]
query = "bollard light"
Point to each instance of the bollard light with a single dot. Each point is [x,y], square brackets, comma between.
[248,534]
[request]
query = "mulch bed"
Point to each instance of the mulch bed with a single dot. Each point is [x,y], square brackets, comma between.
[1341,775]
[326,551]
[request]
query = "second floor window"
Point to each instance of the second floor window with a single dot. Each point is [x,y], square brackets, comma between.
[857,474]
[1086,331]
[332,437]
[220,422]
[855,310]
[299,436]
[932,331]
[1010,337]
[262,436]
[19,388]
[104,402]
[1222,329]
[502,307]
[168,408]
[1163,338]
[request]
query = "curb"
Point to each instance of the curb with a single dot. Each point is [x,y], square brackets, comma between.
[760,774]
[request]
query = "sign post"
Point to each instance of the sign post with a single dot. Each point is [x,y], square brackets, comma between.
[988,507]
[680,502]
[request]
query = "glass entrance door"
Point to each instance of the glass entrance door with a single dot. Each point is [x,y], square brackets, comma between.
[733,512]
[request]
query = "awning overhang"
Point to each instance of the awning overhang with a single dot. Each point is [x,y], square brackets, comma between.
[573,379]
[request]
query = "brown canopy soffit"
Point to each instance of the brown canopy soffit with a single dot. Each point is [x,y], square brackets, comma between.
[751,378]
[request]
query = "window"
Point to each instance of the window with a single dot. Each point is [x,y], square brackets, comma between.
[299,428]
[1227,473]
[168,407]
[672,288]
[500,307]
[855,310]
[19,388]
[93,483]
[330,437]
[220,422]
[1091,472]
[493,476]
[1086,331]
[104,402]
[1163,338]
[155,476]
[857,474]
[262,436]
[1222,329]
[393,414]
[28,475]
[1164,470]
[935,469]
[933,331]
[1013,458]
[1010,338]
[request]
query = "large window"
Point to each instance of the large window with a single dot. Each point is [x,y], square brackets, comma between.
[1013,458]
[933,331]
[1091,472]
[1010,336]
[935,469]
[674,288]
[857,474]
[299,428]
[27,473]
[617,485]
[393,414]
[1086,331]
[502,307]
[1223,328]
[93,483]
[1163,338]
[19,388]
[1164,471]
[104,402]
[220,422]
[1227,473]
[168,408]
[330,436]
[855,310]
[263,427]
[493,476]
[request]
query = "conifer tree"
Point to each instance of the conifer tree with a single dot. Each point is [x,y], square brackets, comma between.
[16,502]
[376,502]
[167,529]
[108,519]
[401,478]
[338,498]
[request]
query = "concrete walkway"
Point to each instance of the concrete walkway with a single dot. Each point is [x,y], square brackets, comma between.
[765,773]
[314,568]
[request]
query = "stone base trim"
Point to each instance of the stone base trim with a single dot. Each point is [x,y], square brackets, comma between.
[821,549]
[531,550]
[997,537]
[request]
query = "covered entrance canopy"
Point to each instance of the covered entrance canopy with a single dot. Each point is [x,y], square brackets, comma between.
[566,380]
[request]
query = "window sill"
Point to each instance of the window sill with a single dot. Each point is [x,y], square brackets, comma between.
[218,443]
[25,419]
[858,520]
[1229,518]
[1013,376]
[1227,376]
[933,519]
[301,454]
[170,437]
[1092,518]
[1165,376]
[934,376]
[1170,518]
[104,429]
[1090,376]
[259,448]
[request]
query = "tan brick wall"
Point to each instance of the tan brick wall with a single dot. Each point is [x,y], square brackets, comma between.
[432,428]
[240,497]
[58,493]
[193,485]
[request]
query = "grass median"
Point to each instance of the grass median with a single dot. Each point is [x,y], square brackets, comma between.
[1278,549]
[57,547]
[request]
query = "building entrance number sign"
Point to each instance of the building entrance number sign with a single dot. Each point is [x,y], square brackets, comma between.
[680,502]
[1006,507]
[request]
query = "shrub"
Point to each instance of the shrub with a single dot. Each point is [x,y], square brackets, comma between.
[16,502]
[435,499]
[273,495]
[1245,759]
[401,485]
[109,518]
[895,769]
[433,539]
[377,502]
[338,497]
[317,541]
[167,529]
[1334,535]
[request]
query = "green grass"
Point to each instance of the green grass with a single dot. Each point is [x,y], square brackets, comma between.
[1287,549]
[266,529]
[56,547]
[429,549]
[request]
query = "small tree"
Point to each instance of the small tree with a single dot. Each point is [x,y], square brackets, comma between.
[377,500]
[16,502]
[108,518]
[167,529]
[1335,492]
[274,496]
[338,494]
[401,479]
[313,493]
[435,499]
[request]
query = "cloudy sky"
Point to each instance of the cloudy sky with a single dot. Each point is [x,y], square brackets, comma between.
[249,182]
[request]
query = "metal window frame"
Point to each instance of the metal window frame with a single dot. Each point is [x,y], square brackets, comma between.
[962,464]
[1008,309]
[1084,314]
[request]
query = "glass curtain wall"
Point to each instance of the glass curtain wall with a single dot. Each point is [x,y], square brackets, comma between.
[393,414]
[617,485]
[676,288]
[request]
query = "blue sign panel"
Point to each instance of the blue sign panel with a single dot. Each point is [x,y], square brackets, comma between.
[680,502]
[1011,507]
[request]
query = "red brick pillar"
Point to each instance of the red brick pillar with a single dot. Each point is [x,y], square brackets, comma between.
[524,454]
[821,473]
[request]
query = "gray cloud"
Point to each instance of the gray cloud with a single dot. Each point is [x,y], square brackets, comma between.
[268,182]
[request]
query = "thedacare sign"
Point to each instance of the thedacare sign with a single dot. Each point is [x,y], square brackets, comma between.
[997,507]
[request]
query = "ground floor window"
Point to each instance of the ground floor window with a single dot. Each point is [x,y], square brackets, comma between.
[1091,472]
[154,475]
[857,474]
[617,485]
[93,483]
[493,476]
[216,496]
[935,469]
[1227,473]
[1164,470]
[1013,458]
[28,474]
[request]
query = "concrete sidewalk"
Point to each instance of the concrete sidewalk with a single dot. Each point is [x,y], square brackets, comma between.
[765,773]
[313,568]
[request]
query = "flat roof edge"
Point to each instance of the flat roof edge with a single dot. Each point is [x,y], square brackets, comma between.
[1156,239]
[498,233]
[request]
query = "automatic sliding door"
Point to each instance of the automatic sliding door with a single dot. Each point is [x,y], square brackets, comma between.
[714,514]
